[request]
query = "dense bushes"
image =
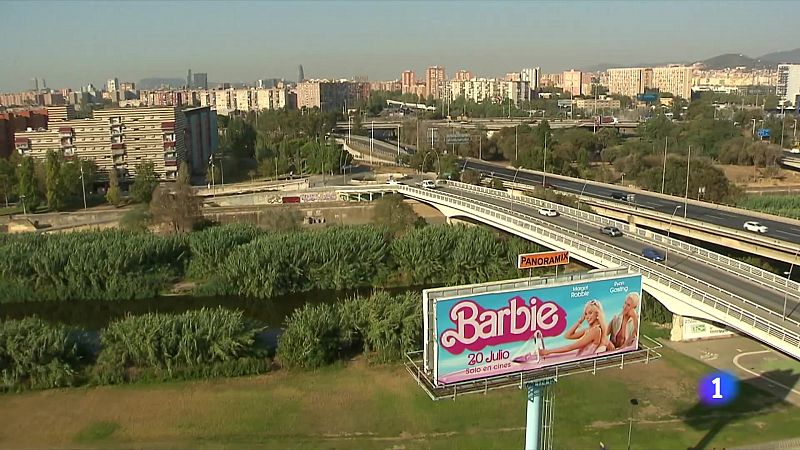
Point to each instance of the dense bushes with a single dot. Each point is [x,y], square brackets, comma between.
[782,205]
[35,354]
[243,260]
[206,341]
[385,327]
[331,258]
[211,246]
[106,265]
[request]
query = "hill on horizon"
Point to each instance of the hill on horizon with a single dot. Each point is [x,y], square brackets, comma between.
[726,60]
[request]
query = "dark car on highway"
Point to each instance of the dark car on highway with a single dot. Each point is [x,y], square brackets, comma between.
[619,196]
[652,254]
[611,231]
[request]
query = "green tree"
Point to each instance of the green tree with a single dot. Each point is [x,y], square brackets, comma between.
[396,215]
[113,195]
[74,181]
[54,182]
[179,208]
[28,190]
[8,179]
[144,183]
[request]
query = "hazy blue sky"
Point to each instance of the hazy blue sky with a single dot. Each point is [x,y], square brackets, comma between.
[71,43]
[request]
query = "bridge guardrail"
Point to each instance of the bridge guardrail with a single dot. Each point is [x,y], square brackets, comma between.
[791,287]
[595,247]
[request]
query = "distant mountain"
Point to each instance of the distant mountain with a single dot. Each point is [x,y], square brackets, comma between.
[731,60]
[788,56]
[727,60]
[154,83]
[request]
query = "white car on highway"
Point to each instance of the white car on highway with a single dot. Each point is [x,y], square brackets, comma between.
[428,184]
[548,212]
[755,226]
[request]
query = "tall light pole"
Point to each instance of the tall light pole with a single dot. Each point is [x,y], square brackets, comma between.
[544,161]
[83,184]
[788,277]
[664,172]
[622,182]
[754,129]
[24,212]
[794,132]
[349,127]
[669,228]
[634,403]
[371,137]
[516,143]
[580,197]
[213,185]
[783,123]
[686,196]
[511,195]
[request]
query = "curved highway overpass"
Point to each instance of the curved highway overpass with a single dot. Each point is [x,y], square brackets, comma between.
[692,282]
[783,233]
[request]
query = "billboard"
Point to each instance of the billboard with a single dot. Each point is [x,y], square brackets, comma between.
[456,138]
[501,332]
[542,259]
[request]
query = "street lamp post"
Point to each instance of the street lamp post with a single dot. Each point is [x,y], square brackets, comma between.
[511,194]
[213,185]
[83,185]
[580,197]
[686,196]
[664,171]
[516,143]
[634,403]
[24,212]
[544,161]
[622,182]
[783,124]
[669,228]
[788,277]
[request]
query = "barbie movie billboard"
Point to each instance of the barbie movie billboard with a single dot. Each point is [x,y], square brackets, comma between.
[496,333]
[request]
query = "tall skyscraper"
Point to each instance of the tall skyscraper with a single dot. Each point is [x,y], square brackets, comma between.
[435,79]
[788,90]
[189,80]
[201,80]
[300,75]
[112,84]
[532,76]
[35,84]
[571,82]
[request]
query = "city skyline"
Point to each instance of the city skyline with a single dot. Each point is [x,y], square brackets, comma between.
[88,42]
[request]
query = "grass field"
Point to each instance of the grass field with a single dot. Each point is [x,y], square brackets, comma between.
[366,407]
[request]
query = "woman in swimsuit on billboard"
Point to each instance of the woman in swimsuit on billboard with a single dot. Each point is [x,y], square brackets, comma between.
[591,340]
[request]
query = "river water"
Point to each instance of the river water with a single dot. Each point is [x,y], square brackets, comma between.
[94,315]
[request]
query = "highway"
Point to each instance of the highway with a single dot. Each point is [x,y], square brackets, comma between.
[759,293]
[777,229]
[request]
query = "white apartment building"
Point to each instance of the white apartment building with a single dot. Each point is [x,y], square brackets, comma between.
[480,89]
[629,81]
[676,80]
[788,88]
[531,75]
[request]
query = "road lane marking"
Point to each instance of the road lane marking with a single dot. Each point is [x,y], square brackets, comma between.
[787,233]
[769,380]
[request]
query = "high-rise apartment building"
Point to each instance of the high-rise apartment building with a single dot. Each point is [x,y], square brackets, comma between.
[435,79]
[572,82]
[330,95]
[531,75]
[788,87]
[480,89]
[200,80]
[630,81]
[407,81]
[675,79]
[112,84]
[462,75]
[122,138]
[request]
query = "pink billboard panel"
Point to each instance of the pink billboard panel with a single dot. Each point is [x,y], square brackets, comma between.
[496,333]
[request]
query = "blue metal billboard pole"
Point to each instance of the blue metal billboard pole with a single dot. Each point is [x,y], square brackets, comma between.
[533,428]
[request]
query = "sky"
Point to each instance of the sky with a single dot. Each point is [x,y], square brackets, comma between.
[72,43]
